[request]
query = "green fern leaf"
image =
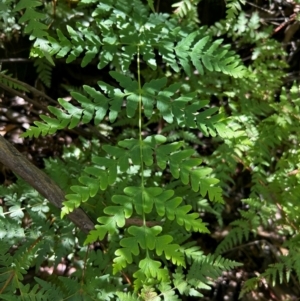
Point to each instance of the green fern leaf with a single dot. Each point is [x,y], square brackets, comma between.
[75,113]
[191,221]
[51,291]
[34,26]
[233,8]
[131,91]
[199,178]
[98,107]
[9,81]
[179,164]
[127,296]
[166,50]
[164,105]
[44,69]
[109,226]
[116,99]
[149,92]
[117,218]
[181,52]
[142,197]
[151,268]
[151,4]
[215,58]
[147,239]
[163,152]
[235,236]
[180,282]
[249,285]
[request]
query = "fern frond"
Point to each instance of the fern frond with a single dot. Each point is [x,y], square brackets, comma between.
[9,81]
[233,8]
[186,9]
[207,53]
[249,285]
[127,296]
[235,236]
[44,70]
[34,26]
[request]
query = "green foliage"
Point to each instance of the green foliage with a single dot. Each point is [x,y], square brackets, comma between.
[10,82]
[280,271]
[186,10]
[147,190]
[35,28]
[44,70]
[120,173]
[8,22]
[233,8]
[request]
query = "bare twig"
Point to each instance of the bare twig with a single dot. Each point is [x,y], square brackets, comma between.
[15,60]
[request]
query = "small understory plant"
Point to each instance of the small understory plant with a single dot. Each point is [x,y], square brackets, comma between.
[138,188]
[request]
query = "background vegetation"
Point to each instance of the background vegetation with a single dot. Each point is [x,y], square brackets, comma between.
[168,136]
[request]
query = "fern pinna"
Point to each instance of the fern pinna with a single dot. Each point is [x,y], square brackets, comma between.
[139,186]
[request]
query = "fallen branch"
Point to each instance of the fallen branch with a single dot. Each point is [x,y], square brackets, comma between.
[14,160]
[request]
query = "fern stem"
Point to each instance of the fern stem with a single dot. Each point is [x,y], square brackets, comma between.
[140,123]
[140,115]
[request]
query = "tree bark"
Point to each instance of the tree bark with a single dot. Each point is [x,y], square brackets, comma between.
[14,160]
